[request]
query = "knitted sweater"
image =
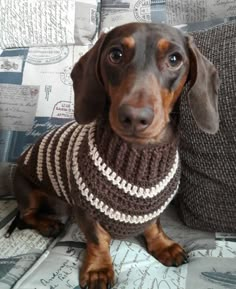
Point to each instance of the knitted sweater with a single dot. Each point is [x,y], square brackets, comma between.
[123,186]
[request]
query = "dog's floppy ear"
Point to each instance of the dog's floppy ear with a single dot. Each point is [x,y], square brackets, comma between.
[89,93]
[203,93]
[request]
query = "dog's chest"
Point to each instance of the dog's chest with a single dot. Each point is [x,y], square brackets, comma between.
[121,186]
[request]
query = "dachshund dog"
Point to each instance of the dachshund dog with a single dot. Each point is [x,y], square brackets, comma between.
[137,72]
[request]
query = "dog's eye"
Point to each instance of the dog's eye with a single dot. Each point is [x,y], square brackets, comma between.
[175,60]
[115,55]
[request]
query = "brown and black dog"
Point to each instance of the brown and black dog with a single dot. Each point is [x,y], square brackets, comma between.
[139,71]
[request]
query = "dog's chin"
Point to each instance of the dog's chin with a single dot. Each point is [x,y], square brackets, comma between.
[133,138]
[142,138]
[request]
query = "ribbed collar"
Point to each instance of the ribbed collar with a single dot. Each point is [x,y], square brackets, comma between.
[142,165]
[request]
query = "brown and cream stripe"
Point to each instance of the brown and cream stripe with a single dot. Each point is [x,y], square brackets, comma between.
[122,186]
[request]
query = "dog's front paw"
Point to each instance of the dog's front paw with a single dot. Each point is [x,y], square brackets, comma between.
[171,255]
[165,250]
[100,278]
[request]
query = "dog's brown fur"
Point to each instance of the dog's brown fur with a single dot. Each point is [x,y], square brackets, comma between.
[130,66]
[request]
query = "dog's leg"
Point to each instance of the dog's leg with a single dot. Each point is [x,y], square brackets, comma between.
[35,208]
[97,269]
[162,247]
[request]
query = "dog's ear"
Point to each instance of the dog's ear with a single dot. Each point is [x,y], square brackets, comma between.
[89,93]
[203,93]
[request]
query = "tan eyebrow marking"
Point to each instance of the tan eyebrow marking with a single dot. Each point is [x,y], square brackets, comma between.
[163,44]
[128,41]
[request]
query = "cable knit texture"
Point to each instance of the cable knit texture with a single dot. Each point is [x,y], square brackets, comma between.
[123,186]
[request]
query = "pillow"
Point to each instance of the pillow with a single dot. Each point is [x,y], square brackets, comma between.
[207,193]
[48,23]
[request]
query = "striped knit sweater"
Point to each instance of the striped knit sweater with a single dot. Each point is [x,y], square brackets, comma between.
[123,186]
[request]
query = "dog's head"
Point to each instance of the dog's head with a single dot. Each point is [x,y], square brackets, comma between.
[140,71]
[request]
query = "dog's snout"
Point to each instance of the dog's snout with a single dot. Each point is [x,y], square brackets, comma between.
[135,119]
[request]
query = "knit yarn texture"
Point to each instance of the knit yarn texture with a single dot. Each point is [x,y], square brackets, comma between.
[121,185]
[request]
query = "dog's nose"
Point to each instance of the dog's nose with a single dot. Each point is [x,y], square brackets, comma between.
[135,119]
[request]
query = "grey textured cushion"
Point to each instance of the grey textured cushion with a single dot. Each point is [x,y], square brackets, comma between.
[207,195]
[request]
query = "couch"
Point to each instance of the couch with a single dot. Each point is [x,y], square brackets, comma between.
[39,43]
